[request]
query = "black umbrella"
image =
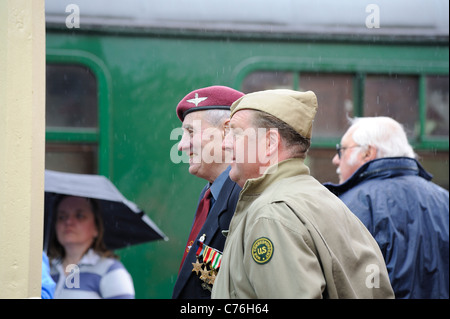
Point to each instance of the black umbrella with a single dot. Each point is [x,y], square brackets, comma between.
[125,224]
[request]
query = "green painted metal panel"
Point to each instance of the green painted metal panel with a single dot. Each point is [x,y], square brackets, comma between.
[84,136]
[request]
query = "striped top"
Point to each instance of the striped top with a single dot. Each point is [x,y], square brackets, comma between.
[94,277]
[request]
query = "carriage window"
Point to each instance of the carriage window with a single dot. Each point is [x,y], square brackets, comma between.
[394,96]
[71,96]
[335,98]
[71,119]
[334,93]
[74,157]
[267,80]
[437,102]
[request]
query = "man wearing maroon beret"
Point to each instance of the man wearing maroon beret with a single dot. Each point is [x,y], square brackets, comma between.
[204,113]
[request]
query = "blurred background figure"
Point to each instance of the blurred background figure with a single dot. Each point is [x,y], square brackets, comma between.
[81,266]
[387,188]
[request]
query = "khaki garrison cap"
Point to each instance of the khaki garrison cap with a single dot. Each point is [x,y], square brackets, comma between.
[292,107]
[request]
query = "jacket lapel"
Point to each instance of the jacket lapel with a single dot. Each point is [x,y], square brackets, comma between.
[212,229]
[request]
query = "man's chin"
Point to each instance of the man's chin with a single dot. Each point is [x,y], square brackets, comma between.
[193,168]
[234,175]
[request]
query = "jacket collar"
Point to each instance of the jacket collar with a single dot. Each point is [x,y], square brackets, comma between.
[211,227]
[217,185]
[287,168]
[381,168]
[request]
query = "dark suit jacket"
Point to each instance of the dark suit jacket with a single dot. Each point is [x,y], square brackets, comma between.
[188,284]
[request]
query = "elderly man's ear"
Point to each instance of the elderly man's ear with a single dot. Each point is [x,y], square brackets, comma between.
[225,127]
[370,154]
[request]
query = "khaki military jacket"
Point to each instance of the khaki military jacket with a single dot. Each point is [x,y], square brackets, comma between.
[292,238]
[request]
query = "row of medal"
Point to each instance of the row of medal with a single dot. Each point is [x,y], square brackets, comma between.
[208,261]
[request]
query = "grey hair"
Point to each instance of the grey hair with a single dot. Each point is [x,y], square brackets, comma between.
[384,133]
[217,117]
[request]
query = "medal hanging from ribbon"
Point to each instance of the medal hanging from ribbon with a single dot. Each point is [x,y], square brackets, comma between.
[207,264]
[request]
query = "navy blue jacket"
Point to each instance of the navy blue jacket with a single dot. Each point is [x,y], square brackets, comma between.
[188,284]
[408,216]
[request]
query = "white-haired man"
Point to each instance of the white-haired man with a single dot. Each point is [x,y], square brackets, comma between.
[385,186]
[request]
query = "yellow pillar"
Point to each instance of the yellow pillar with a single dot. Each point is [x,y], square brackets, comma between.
[22,146]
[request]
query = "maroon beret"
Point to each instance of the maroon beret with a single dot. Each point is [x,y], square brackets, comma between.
[212,97]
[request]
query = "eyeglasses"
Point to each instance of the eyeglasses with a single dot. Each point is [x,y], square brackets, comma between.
[339,148]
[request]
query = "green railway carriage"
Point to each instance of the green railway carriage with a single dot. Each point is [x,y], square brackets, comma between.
[114,80]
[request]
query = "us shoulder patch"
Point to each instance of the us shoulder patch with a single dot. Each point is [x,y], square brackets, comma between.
[262,250]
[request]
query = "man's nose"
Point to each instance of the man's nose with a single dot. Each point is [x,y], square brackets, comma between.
[336,160]
[227,143]
[185,143]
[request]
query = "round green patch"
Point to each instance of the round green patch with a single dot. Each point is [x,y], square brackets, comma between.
[262,250]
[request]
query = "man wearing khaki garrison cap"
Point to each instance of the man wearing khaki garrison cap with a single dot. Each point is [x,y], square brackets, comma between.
[290,237]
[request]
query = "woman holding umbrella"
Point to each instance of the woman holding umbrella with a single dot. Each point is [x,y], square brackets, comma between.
[81,266]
